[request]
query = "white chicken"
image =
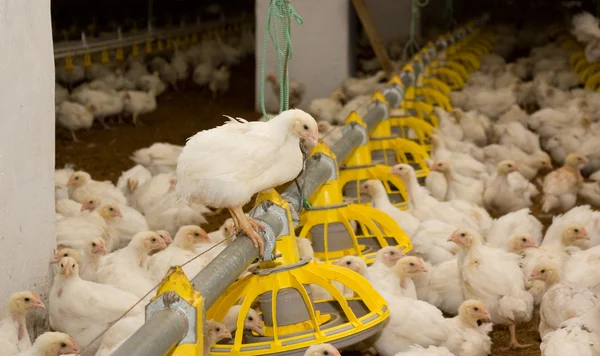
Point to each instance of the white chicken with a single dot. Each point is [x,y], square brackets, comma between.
[179,252]
[517,222]
[74,116]
[493,276]
[440,286]
[133,178]
[81,186]
[52,344]
[78,230]
[296,90]
[468,331]
[509,191]
[380,201]
[243,171]
[561,186]
[160,157]
[151,83]
[70,299]
[459,186]
[14,337]
[576,336]
[137,103]
[359,86]
[130,223]
[219,81]
[329,133]
[430,351]
[563,300]
[327,109]
[123,268]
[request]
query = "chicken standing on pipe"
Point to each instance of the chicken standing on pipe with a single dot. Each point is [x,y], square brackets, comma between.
[225,166]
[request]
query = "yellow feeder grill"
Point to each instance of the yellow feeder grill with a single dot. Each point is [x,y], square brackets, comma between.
[412,128]
[392,150]
[337,228]
[586,73]
[283,292]
[359,168]
[423,110]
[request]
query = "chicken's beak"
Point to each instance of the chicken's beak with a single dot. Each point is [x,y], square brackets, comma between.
[583,235]
[258,329]
[71,181]
[548,165]
[55,258]
[226,335]
[423,268]
[38,304]
[532,244]
[132,183]
[485,316]
[100,248]
[84,207]
[453,238]
[532,277]
[313,138]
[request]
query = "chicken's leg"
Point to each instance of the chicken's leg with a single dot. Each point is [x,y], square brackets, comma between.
[514,344]
[74,137]
[136,120]
[249,226]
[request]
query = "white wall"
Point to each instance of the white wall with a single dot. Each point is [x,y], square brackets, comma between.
[26,146]
[324,44]
[321,48]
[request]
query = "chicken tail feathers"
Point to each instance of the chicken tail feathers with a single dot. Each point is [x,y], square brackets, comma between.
[550,202]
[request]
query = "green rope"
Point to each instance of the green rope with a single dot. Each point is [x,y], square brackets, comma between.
[282,10]
[414,17]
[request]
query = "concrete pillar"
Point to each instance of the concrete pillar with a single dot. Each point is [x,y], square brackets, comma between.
[26,146]
[322,55]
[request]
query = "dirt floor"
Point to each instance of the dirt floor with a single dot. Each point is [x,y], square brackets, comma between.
[105,153]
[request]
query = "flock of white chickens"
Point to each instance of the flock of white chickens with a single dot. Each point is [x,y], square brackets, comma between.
[115,242]
[115,91]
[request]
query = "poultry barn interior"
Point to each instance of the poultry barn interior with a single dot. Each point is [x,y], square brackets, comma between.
[340,177]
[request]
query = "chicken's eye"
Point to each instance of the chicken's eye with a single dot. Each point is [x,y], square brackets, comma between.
[524,239]
[348,263]
[412,264]
[250,318]
[463,234]
[93,244]
[543,271]
[62,265]
[153,239]
[27,300]
[509,165]
[91,202]
[196,234]
[392,253]
[65,255]
[576,230]
[62,344]
[326,353]
[306,127]
[111,209]
[73,266]
[76,178]
[218,329]
[476,309]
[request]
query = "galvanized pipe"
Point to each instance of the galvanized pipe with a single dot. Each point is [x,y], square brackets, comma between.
[222,271]
[158,335]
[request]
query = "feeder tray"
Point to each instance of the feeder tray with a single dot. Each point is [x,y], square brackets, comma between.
[293,320]
[359,168]
[337,228]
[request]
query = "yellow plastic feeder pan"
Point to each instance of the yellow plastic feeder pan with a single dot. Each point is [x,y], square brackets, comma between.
[338,228]
[282,293]
[391,150]
[411,128]
[358,168]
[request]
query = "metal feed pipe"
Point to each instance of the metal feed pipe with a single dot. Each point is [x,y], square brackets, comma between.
[222,271]
[78,48]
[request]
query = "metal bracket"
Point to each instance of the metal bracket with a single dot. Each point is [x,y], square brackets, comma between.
[173,301]
[330,162]
[273,210]
[356,126]
[267,271]
[407,78]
